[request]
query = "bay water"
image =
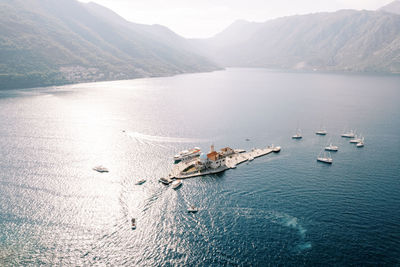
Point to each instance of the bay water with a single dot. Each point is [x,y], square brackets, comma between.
[280,209]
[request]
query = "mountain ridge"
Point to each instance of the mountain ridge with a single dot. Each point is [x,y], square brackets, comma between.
[345,40]
[47,42]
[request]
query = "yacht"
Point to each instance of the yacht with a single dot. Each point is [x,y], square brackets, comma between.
[176,184]
[331,148]
[165,181]
[100,169]
[187,154]
[192,209]
[349,134]
[142,181]
[133,221]
[326,158]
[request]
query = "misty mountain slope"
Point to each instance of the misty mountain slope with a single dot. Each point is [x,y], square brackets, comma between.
[347,40]
[393,7]
[60,41]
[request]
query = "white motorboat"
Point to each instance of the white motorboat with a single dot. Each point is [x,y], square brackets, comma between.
[361,143]
[192,209]
[326,158]
[100,169]
[165,181]
[331,148]
[142,181]
[276,149]
[187,154]
[176,184]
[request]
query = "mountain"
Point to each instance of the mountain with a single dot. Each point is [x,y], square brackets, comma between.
[393,7]
[46,42]
[346,40]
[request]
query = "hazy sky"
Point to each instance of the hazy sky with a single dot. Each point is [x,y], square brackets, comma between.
[204,18]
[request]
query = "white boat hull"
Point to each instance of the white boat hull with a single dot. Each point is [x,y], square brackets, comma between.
[176,184]
[325,160]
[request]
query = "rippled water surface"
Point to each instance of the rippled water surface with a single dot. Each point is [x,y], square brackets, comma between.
[281,209]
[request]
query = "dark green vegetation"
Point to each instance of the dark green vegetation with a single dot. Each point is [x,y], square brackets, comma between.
[46,42]
[346,40]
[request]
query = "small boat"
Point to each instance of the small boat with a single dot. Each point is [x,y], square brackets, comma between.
[187,154]
[356,140]
[349,134]
[133,221]
[361,143]
[176,184]
[165,181]
[297,135]
[192,209]
[321,132]
[100,169]
[247,139]
[276,149]
[142,181]
[251,158]
[331,148]
[326,158]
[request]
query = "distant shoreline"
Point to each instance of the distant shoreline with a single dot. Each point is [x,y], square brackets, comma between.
[350,73]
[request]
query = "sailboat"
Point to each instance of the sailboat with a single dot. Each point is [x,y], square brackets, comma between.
[321,131]
[326,158]
[349,134]
[357,139]
[298,134]
[331,148]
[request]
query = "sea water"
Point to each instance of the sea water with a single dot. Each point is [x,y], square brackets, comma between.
[280,209]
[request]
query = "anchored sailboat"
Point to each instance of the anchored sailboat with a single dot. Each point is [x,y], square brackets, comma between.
[325,158]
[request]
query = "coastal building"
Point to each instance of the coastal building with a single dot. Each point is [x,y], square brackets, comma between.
[227,151]
[216,159]
[213,160]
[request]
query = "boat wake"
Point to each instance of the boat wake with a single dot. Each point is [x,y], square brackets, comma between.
[292,222]
[284,220]
[144,138]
